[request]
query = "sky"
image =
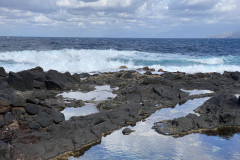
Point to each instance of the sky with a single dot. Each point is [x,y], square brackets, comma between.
[119,18]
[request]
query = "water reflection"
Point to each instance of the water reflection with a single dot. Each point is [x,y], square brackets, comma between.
[196,91]
[99,94]
[145,143]
[80,111]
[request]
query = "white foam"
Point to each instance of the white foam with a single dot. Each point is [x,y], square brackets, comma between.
[83,60]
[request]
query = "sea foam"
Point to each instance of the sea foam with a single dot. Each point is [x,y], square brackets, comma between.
[84,60]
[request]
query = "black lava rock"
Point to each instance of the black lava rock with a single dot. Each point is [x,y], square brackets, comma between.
[32,109]
[2,72]
[9,117]
[34,125]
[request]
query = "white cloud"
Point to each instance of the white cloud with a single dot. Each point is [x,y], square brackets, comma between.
[99,4]
[119,15]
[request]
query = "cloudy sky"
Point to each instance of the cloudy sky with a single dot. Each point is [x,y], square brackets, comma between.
[119,18]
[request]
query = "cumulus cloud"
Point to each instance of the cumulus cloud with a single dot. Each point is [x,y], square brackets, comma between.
[120,15]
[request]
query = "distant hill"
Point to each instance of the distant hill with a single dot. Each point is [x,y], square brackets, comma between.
[227,35]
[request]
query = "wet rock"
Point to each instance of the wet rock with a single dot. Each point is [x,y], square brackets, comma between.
[148,73]
[2,72]
[127,131]
[34,125]
[123,67]
[32,109]
[84,75]
[44,119]
[145,68]
[8,117]
[16,81]
[56,80]
[160,70]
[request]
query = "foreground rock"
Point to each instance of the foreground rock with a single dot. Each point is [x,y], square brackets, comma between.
[221,111]
[32,126]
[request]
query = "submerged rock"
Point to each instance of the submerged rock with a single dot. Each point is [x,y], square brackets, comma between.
[127,131]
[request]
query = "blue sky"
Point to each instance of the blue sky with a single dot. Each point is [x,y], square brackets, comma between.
[119,18]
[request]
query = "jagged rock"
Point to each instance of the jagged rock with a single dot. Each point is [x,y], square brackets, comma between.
[56,115]
[16,81]
[32,109]
[222,110]
[56,80]
[27,80]
[32,100]
[2,72]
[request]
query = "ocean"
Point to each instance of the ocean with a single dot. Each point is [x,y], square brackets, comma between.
[78,55]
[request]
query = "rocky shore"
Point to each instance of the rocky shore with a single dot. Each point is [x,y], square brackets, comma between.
[32,126]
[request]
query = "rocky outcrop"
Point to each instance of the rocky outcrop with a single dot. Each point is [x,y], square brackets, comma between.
[32,126]
[222,110]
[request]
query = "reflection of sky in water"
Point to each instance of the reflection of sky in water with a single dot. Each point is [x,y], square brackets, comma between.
[99,94]
[145,143]
[80,111]
[196,91]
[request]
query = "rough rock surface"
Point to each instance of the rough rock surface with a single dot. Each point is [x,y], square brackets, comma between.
[222,110]
[32,126]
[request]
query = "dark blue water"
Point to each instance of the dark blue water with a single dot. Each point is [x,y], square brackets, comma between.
[200,47]
[108,54]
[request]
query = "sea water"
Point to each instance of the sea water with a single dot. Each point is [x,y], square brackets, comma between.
[78,55]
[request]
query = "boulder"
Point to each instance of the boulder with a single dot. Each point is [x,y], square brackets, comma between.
[16,81]
[34,125]
[8,117]
[17,99]
[32,109]
[56,115]
[56,80]
[4,105]
[44,119]
[2,72]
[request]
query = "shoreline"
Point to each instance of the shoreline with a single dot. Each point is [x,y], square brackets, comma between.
[34,127]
